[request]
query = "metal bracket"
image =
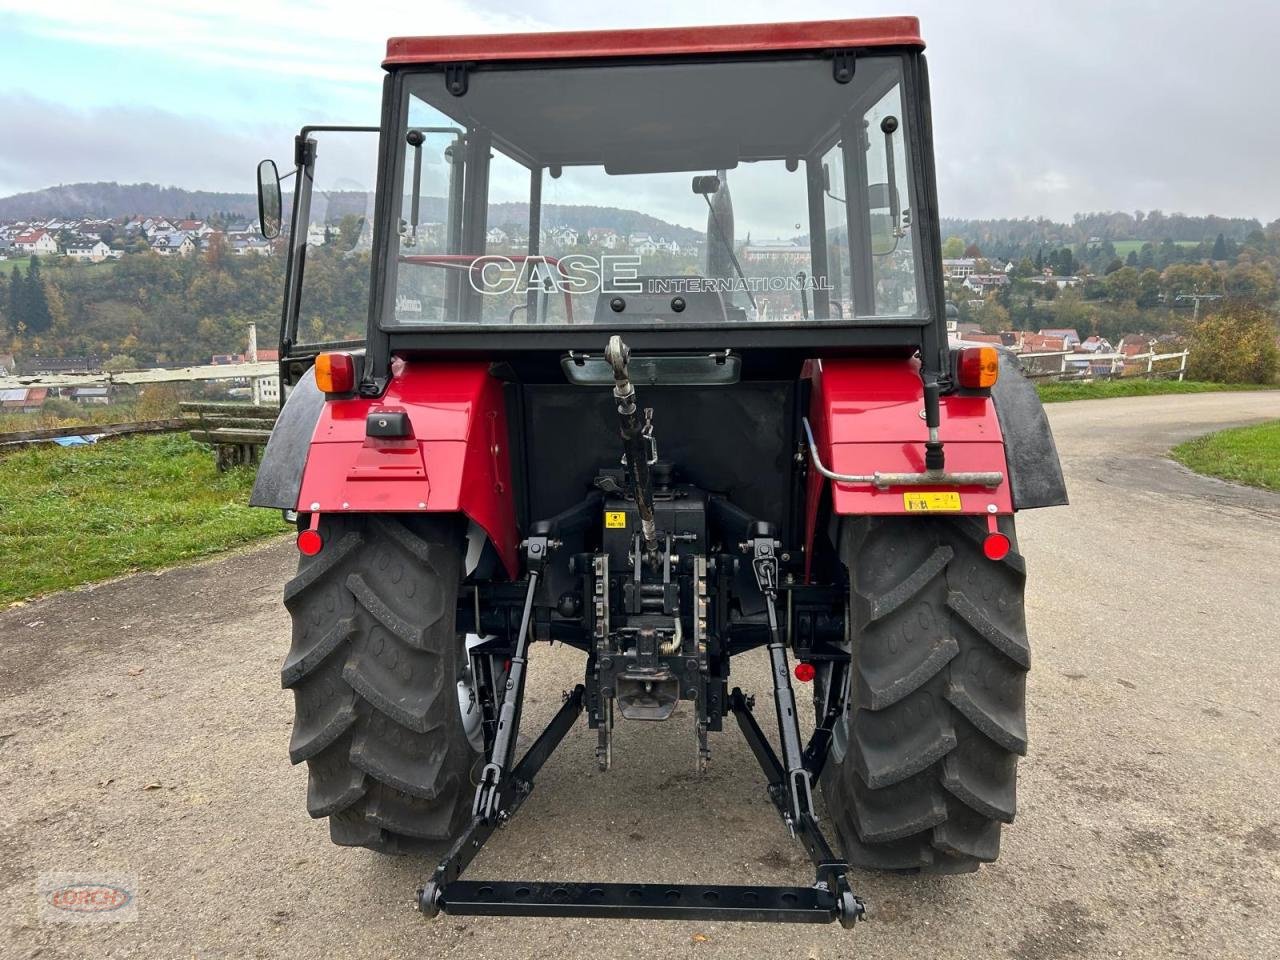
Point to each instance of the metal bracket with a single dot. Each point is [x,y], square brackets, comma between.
[455,78]
[843,64]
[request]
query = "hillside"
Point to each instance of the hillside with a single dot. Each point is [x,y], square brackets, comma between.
[123,199]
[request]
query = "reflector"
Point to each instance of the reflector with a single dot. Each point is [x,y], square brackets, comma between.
[310,542]
[978,367]
[995,546]
[805,672]
[335,373]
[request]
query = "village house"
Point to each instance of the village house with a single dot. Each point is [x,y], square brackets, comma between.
[172,244]
[959,268]
[88,250]
[35,243]
[603,237]
[982,283]
[1070,339]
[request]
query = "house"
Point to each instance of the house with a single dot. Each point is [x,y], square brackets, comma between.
[1037,343]
[23,399]
[1048,277]
[94,396]
[603,237]
[316,235]
[8,366]
[90,251]
[35,243]
[1096,344]
[251,245]
[564,236]
[983,283]
[496,236]
[1135,344]
[959,268]
[642,243]
[1070,338]
[172,244]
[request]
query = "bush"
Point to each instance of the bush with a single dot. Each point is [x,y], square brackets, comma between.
[1235,345]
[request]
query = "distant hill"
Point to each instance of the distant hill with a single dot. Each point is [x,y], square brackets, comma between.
[123,199]
[150,199]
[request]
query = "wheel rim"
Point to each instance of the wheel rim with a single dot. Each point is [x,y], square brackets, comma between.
[469,700]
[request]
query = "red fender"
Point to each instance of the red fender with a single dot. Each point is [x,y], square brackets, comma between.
[867,417]
[456,461]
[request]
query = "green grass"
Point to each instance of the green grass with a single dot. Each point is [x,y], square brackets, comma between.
[1109,389]
[1125,247]
[1249,455]
[72,515]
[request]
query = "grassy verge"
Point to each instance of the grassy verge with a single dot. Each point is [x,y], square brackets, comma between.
[1108,389]
[72,515]
[1249,455]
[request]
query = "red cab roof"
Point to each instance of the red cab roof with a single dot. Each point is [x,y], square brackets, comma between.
[761,37]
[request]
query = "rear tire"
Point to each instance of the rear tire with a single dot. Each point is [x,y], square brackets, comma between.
[374,665]
[923,767]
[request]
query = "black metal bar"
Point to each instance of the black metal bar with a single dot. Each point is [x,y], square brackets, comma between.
[490,790]
[755,738]
[479,830]
[640,901]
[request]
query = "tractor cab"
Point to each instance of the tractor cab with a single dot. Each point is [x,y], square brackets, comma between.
[640,346]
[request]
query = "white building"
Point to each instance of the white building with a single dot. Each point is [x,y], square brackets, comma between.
[89,251]
[35,243]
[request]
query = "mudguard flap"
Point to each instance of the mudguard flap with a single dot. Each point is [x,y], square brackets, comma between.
[280,471]
[1034,471]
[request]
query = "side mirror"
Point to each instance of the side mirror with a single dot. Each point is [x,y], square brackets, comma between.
[270,205]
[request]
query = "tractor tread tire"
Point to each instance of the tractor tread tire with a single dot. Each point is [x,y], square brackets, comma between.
[937,717]
[372,666]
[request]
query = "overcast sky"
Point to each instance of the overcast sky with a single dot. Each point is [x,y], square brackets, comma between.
[1039,108]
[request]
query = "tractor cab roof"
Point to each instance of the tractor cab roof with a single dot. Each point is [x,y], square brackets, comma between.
[666,41]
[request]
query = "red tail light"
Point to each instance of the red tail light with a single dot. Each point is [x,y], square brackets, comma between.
[335,373]
[978,367]
[310,542]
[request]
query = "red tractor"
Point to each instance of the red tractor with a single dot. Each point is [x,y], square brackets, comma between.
[600,400]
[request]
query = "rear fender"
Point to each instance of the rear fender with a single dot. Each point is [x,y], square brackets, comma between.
[455,462]
[867,417]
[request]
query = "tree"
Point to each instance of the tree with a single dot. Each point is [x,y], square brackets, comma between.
[120,363]
[1237,344]
[973,252]
[1255,284]
[36,304]
[1122,285]
[17,299]
[952,248]
[1132,259]
[1148,288]
[1113,266]
[1220,248]
[993,316]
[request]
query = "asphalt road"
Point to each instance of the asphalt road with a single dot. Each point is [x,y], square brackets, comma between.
[143,733]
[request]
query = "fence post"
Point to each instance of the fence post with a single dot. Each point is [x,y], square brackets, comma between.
[1182,367]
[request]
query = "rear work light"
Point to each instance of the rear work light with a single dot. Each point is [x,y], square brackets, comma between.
[335,373]
[978,367]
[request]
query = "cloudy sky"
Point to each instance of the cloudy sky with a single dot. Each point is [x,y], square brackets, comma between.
[1039,108]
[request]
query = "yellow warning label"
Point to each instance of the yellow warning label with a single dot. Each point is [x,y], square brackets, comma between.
[931,502]
[617,519]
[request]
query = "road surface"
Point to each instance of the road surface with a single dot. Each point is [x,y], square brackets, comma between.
[143,733]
